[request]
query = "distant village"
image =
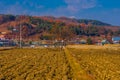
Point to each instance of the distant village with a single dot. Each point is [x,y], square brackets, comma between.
[6,42]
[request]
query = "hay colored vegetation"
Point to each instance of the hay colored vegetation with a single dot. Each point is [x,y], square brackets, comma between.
[101,62]
[34,64]
[75,62]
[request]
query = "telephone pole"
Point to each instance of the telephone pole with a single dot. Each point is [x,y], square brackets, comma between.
[20,37]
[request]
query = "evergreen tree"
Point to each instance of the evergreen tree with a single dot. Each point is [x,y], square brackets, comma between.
[89,41]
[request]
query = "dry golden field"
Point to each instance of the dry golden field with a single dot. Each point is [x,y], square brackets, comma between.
[34,64]
[102,62]
[75,62]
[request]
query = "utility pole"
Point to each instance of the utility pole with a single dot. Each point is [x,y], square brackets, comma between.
[20,37]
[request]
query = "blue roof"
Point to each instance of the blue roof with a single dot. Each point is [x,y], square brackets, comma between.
[116,38]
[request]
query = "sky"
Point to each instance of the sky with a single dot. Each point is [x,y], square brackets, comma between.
[104,10]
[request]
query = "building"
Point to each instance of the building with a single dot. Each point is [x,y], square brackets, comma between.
[104,41]
[116,40]
[2,37]
[7,43]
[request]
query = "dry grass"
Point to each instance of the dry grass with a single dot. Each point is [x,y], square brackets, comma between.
[107,46]
[76,62]
[102,62]
[78,72]
[34,64]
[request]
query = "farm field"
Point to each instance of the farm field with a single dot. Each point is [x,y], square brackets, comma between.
[34,64]
[75,62]
[101,62]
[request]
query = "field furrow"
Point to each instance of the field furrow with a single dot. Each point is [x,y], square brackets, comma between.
[34,64]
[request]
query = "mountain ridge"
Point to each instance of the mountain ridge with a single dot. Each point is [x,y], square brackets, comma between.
[63,18]
[49,27]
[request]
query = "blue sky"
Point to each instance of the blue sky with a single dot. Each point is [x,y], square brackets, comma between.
[103,10]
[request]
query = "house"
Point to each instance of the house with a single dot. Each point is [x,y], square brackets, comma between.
[3,33]
[104,41]
[83,41]
[2,36]
[98,42]
[116,40]
[6,42]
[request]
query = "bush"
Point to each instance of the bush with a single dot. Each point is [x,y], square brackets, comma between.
[89,41]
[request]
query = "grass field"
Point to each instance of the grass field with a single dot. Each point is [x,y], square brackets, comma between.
[102,62]
[34,64]
[75,62]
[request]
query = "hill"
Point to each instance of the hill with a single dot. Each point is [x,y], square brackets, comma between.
[78,21]
[51,28]
[93,22]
